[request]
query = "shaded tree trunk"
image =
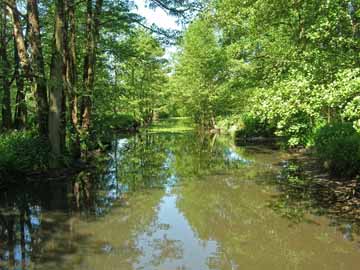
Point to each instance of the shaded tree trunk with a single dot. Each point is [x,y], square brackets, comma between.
[56,87]
[20,107]
[19,38]
[92,30]
[71,78]
[5,72]
[38,67]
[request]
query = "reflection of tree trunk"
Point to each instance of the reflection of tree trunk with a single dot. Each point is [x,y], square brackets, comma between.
[82,191]
[11,241]
[77,194]
[22,240]
[117,176]
[5,65]
[28,221]
[38,67]
[30,230]
[56,132]
[20,107]
[213,140]
[87,190]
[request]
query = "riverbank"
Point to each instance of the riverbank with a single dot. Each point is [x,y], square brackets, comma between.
[171,125]
[306,184]
[305,158]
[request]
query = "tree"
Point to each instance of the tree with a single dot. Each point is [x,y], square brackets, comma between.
[198,73]
[38,67]
[92,36]
[5,70]
[56,87]
[141,77]
[71,78]
[63,104]
[20,106]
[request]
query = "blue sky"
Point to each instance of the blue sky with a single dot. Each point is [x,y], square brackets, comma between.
[157,16]
[161,19]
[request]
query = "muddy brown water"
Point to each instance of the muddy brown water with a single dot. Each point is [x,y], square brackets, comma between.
[172,202]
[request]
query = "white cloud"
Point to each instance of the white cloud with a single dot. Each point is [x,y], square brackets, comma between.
[157,16]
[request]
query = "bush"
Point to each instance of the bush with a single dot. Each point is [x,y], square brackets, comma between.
[105,126]
[23,151]
[293,106]
[163,114]
[123,121]
[229,124]
[115,122]
[254,127]
[338,146]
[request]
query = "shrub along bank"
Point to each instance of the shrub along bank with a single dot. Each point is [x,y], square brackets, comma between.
[325,117]
[23,151]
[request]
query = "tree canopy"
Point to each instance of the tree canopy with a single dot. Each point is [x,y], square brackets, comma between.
[73,69]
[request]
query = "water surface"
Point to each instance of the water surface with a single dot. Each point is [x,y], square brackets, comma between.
[173,202]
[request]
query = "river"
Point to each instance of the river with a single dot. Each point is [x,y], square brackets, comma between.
[173,201]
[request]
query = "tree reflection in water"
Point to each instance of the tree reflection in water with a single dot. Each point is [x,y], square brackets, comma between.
[37,221]
[170,201]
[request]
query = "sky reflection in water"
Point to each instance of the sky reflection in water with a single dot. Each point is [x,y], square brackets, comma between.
[165,202]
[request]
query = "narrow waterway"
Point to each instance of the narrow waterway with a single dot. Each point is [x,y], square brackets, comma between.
[173,201]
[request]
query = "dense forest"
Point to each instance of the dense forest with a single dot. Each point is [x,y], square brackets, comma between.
[73,72]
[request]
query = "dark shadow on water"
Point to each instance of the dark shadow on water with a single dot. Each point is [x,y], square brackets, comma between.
[303,197]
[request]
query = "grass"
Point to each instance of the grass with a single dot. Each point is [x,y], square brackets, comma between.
[172,125]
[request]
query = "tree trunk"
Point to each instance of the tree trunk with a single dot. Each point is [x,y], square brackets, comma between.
[56,87]
[19,38]
[92,30]
[86,98]
[71,78]
[20,107]
[38,67]
[5,70]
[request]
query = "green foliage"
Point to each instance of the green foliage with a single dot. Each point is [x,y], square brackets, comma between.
[290,68]
[23,151]
[138,79]
[163,114]
[298,106]
[264,67]
[300,69]
[199,73]
[342,96]
[292,106]
[229,124]
[116,122]
[105,125]
[253,127]
[338,146]
[172,125]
